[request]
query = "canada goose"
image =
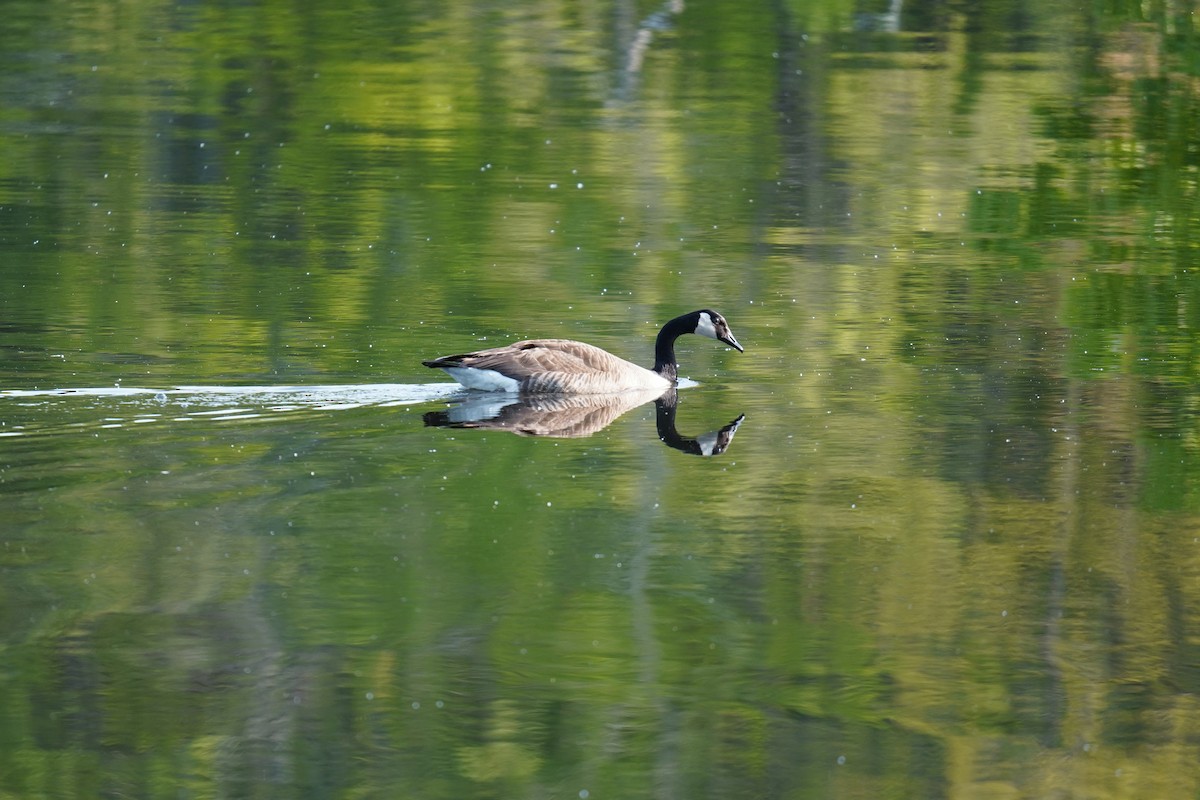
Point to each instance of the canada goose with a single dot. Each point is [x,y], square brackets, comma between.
[564,366]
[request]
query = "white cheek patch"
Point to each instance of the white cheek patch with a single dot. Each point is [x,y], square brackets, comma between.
[484,380]
[705,326]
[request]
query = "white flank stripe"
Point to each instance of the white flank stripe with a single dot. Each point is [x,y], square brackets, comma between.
[485,380]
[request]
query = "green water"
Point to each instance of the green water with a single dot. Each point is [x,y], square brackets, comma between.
[953,549]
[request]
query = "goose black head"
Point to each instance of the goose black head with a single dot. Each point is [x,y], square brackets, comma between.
[711,324]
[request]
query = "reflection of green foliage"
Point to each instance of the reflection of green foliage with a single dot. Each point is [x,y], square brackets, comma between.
[502,757]
[968,536]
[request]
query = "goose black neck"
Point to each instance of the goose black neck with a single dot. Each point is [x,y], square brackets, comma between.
[664,346]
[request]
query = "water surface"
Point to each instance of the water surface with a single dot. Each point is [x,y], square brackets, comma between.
[252,547]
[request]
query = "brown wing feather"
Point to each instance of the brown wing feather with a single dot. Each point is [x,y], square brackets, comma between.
[523,359]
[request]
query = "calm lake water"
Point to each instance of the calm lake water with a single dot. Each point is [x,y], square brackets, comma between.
[951,547]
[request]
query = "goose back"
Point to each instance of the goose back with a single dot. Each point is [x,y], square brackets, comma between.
[537,366]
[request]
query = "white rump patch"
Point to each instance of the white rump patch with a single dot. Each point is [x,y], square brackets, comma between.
[485,380]
[705,326]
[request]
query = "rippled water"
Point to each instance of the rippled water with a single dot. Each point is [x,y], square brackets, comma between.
[38,411]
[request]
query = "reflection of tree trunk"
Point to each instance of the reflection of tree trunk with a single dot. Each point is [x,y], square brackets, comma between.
[1053,699]
[270,723]
[636,38]
[645,33]
[649,658]
[807,193]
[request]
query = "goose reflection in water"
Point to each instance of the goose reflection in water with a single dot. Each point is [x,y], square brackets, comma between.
[577,416]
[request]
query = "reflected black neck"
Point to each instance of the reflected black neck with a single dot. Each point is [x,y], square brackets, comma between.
[664,421]
[664,346]
[711,444]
